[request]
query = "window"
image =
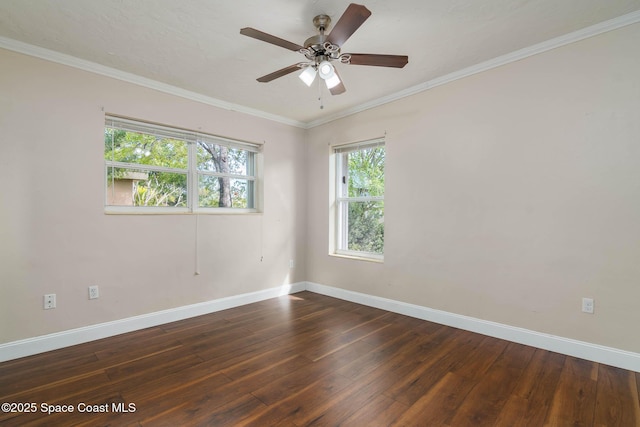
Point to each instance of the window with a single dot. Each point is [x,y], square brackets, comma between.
[150,168]
[359,199]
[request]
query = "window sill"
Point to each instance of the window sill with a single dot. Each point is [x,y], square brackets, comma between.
[120,210]
[379,259]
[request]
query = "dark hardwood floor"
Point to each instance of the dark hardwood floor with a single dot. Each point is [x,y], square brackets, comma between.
[307,359]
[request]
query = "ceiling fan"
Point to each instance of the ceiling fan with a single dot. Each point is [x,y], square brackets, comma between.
[320,50]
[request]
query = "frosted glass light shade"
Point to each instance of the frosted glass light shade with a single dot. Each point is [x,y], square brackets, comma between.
[308,75]
[326,71]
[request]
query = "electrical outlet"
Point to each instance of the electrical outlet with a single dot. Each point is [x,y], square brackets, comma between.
[49,301]
[292,263]
[587,305]
[93,292]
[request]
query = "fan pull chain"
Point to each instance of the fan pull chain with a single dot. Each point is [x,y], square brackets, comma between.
[320,95]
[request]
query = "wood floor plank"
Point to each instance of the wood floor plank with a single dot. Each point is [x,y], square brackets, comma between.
[114,355]
[176,383]
[297,380]
[615,409]
[147,368]
[286,331]
[540,377]
[265,320]
[260,362]
[335,342]
[480,358]
[334,320]
[518,411]
[234,412]
[484,403]
[299,409]
[575,395]
[151,405]
[230,414]
[204,344]
[204,397]
[391,353]
[348,399]
[381,411]
[214,334]
[309,359]
[340,406]
[39,372]
[389,334]
[532,397]
[40,362]
[71,387]
[438,406]
[413,386]
[373,383]
[231,352]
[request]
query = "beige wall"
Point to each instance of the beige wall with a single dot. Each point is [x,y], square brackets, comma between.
[510,195]
[53,241]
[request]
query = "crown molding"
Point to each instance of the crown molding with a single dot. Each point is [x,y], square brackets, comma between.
[594,30]
[92,67]
[50,55]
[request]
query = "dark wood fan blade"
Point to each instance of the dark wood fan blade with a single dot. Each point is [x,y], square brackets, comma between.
[279,73]
[348,23]
[396,61]
[257,34]
[339,88]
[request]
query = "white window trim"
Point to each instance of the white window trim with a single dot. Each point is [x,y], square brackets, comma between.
[192,172]
[362,256]
[337,237]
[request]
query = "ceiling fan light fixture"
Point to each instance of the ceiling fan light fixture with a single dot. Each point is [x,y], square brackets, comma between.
[308,75]
[326,70]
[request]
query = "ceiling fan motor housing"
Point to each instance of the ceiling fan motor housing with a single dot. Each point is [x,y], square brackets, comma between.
[315,42]
[317,48]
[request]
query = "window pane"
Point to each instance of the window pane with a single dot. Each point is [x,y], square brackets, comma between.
[365,226]
[221,159]
[154,165]
[144,149]
[216,192]
[137,187]
[366,172]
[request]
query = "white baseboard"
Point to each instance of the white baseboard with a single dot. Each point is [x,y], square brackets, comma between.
[31,346]
[584,350]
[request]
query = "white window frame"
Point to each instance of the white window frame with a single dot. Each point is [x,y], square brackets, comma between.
[191,138]
[341,200]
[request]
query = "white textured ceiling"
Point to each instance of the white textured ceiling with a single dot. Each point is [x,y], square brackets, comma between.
[196,45]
